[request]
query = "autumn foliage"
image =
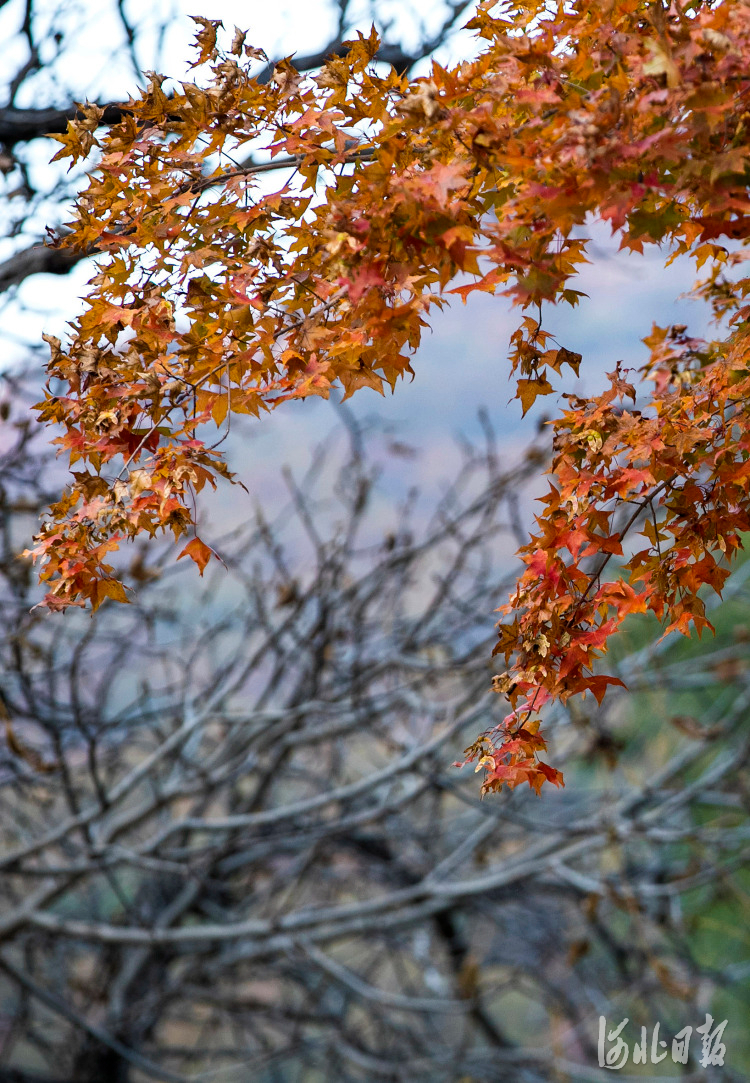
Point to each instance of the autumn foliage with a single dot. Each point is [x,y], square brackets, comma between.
[215,296]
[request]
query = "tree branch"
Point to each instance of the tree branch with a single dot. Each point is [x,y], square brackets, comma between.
[20,125]
[38,259]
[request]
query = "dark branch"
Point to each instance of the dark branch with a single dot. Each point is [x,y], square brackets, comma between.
[388,54]
[39,259]
[20,125]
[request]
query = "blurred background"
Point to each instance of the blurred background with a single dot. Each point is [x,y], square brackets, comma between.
[232,843]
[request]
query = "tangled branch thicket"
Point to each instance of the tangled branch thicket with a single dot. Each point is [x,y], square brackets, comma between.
[233,845]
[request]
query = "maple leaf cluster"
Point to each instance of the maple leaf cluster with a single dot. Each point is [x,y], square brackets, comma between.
[215,296]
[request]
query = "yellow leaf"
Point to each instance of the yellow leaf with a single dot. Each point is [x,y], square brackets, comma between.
[529,389]
[661,63]
[109,588]
[219,409]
